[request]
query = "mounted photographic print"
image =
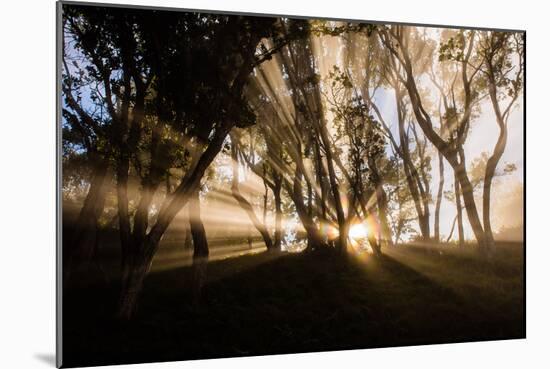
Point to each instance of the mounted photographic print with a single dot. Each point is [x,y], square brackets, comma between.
[236,184]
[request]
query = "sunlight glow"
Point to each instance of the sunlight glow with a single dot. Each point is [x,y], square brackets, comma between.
[358,231]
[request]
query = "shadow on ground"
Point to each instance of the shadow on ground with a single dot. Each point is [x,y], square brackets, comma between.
[264,304]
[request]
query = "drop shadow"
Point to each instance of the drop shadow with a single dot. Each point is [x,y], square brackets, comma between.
[48,359]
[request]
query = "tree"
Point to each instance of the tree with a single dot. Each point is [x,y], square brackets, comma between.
[243,202]
[365,141]
[379,71]
[398,41]
[503,54]
[148,77]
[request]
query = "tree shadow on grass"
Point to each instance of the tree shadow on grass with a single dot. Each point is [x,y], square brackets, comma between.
[433,313]
[406,279]
[258,304]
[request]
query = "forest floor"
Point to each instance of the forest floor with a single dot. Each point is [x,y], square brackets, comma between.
[271,304]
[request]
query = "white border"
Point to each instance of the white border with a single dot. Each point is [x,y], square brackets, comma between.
[27,188]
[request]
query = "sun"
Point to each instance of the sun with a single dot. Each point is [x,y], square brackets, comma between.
[358,231]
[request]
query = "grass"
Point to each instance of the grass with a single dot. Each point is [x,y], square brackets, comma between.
[270,304]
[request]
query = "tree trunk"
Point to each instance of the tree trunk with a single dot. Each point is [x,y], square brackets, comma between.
[312,232]
[264,219]
[84,239]
[470,205]
[492,164]
[439,198]
[141,217]
[459,212]
[133,281]
[371,235]
[424,185]
[321,176]
[340,216]
[309,202]
[249,237]
[200,248]
[278,214]
[243,202]
[385,230]
[411,174]
[382,202]
[452,229]
[124,218]
[188,240]
[450,153]
[131,289]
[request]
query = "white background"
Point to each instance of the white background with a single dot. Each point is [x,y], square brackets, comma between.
[27,182]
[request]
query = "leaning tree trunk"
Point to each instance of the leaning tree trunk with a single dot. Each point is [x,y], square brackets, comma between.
[244,203]
[146,250]
[450,154]
[133,281]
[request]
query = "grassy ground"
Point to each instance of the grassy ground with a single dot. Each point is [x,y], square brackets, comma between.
[268,304]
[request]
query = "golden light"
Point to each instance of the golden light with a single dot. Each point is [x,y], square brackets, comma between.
[358,231]
[329,231]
